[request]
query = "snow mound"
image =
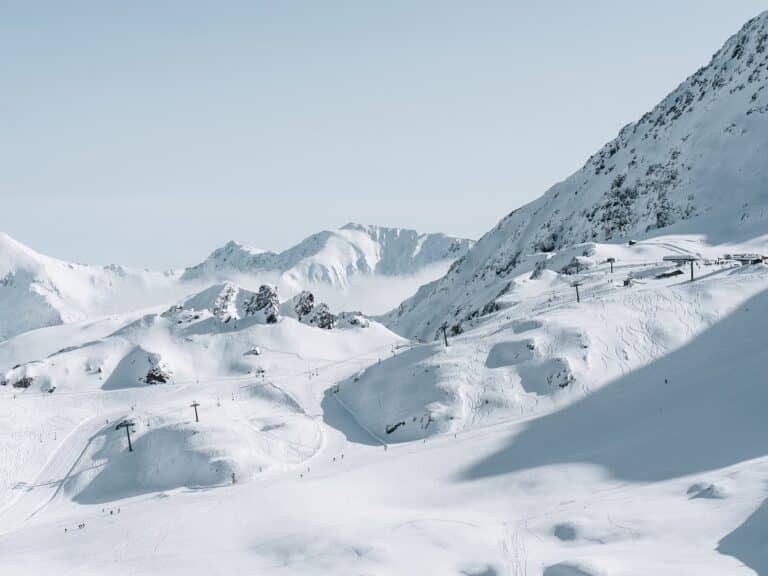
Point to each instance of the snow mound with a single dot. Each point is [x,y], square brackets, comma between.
[163,458]
[706,491]
[169,454]
[138,368]
[510,353]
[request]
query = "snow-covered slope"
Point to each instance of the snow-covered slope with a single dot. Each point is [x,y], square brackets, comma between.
[38,291]
[336,256]
[527,459]
[693,164]
[540,349]
[222,344]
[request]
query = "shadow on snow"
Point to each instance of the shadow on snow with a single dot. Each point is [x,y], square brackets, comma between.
[749,542]
[708,414]
[338,417]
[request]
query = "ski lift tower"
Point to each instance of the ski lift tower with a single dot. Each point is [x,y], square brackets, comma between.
[683,259]
[194,405]
[576,284]
[128,425]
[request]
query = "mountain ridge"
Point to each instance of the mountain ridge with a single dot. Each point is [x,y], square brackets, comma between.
[668,171]
[38,291]
[334,256]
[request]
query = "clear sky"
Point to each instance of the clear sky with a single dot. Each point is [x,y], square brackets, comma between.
[150,132]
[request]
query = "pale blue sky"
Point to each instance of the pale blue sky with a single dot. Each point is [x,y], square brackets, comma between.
[150,132]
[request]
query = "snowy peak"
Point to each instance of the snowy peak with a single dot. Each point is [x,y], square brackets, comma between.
[236,248]
[673,166]
[34,288]
[695,164]
[334,256]
[18,259]
[13,253]
[232,256]
[404,251]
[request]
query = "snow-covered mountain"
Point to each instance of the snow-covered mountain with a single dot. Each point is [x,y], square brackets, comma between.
[38,291]
[335,257]
[695,164]
[595,410]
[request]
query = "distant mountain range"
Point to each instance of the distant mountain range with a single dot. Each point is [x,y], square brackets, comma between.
[38,291]
[335,256]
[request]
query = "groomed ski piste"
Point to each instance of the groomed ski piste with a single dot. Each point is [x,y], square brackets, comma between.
[621,434]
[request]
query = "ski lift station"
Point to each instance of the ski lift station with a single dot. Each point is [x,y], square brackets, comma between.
[747,258]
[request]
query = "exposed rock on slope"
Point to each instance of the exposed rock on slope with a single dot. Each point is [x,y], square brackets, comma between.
[305,308]
[228,301]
